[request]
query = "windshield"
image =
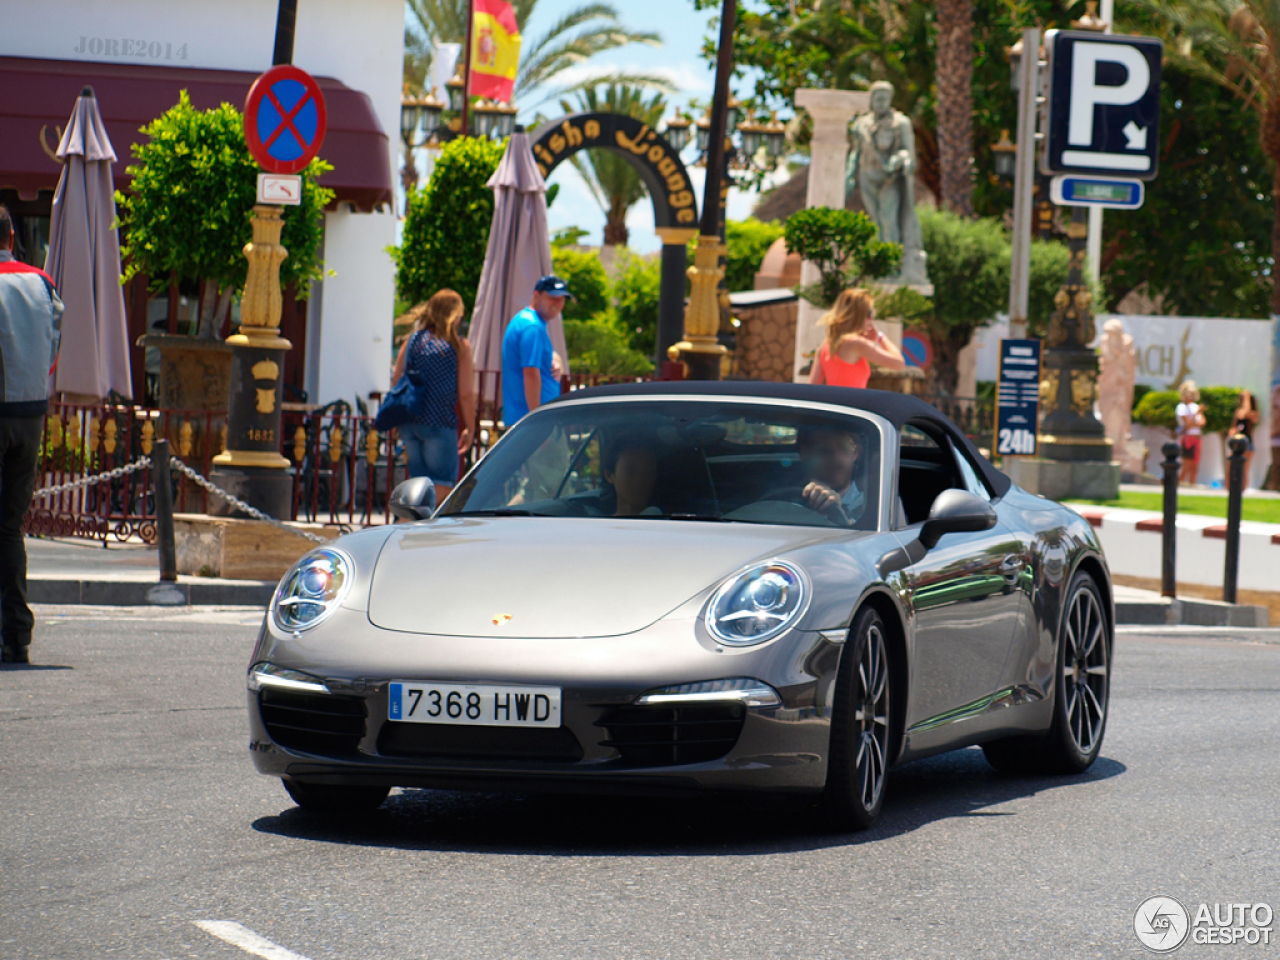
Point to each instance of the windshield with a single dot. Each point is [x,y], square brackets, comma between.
[679,460]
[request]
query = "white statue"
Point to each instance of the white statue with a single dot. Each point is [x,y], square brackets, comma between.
[1117,368]
[882,167]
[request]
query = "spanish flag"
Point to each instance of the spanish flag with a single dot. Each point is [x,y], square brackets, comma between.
[495,50]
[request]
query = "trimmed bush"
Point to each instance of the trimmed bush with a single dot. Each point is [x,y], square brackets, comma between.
[446,231]
[635,288]
[1219,405]
[190,204]
[1158,409]
[599,345]
[583,272]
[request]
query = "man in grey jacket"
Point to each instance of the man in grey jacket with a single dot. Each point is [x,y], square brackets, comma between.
[30,331]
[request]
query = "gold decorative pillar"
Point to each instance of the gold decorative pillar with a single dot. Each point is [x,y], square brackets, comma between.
[252,466]
[700,350]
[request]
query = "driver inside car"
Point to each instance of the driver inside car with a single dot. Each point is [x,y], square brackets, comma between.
[830,456]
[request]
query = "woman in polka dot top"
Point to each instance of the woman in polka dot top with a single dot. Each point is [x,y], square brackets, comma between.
[439,363]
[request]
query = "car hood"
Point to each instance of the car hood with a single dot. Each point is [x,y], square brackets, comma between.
[553,577]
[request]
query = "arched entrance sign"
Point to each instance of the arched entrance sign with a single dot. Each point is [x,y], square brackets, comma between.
[675,210]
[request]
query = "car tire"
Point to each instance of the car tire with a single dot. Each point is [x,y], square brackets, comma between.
[857,767]
[335,800]
[1082,690]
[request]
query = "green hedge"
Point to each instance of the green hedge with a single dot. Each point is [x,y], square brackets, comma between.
[446,231]
[1158,408]
[589,284]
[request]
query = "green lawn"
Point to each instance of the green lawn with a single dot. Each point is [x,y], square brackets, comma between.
[1263,510]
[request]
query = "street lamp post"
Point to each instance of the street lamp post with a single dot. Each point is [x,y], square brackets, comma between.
[1026,79]
[419,123]
[700,350]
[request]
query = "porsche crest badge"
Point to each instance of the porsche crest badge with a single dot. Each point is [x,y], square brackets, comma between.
[501,619]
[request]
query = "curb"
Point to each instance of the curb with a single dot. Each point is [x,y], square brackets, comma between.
[1270,636]
[1168,611]
[133,593]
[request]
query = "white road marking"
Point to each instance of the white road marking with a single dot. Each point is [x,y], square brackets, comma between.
[241,936]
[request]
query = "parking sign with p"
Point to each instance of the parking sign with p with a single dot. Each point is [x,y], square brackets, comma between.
[1103,104]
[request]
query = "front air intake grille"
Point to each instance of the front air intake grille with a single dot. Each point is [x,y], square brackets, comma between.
[313,722]
[464,742]
[667,735]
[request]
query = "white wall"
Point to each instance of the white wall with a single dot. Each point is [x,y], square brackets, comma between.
[351,342]
[358,42]
[1213,351]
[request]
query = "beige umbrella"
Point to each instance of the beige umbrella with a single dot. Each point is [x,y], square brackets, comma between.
[519,253]
[84,262]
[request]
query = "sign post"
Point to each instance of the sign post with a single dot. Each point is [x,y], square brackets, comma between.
[284,121]
[1017,398]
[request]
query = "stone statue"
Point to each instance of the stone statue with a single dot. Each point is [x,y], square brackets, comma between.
[882,167]
[1117,368]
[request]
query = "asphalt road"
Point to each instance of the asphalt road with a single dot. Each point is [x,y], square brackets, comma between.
[130,811]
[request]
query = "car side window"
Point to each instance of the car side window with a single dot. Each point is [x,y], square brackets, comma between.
[925,469]
[972,481]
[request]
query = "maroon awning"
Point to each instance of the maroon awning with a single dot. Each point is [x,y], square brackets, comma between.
[36,94]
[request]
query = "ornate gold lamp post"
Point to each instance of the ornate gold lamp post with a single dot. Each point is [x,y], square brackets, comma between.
[700,350]
[252,467]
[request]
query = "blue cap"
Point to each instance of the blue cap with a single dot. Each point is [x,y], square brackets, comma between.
[553,285]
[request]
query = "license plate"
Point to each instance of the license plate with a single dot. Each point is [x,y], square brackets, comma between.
[474,704]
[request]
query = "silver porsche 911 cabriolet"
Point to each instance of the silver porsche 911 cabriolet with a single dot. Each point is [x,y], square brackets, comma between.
[672,587]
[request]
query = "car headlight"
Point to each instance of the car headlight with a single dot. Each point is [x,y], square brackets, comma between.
[312,589]
[757,604]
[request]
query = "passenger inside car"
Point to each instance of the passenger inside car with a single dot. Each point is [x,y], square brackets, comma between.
[630,466]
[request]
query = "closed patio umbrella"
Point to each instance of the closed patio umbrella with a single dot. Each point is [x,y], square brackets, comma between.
[84,262]
[519,253]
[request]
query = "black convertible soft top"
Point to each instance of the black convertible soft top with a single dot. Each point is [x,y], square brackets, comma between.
[897,408]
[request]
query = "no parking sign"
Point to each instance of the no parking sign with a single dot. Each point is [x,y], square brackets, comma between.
[284,119]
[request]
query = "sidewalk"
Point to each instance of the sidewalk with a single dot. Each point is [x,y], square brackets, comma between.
[67,571]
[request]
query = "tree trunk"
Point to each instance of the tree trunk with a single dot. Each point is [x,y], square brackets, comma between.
[615,225]
[954,72]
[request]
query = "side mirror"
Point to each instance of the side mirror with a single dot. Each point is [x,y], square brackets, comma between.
[414,499]
[956,511]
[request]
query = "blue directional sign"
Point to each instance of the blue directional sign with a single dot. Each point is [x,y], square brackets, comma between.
[1116,194]
[1103,104]
[1017,397]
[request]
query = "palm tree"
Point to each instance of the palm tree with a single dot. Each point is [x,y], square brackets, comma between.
[613,181]
[1235,44]
[954,74]
[572,40]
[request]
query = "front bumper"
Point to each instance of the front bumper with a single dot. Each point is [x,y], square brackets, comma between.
[767,748]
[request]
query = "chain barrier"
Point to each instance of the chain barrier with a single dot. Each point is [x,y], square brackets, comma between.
[194,476]
[115,474]
[239,504]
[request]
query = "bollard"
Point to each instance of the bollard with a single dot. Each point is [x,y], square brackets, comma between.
[164,511]
[1169,529]
[1235,498]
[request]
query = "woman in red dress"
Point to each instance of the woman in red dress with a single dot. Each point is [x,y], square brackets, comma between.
[852,343]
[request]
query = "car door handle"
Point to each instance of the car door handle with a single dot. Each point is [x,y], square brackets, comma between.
[1012,565]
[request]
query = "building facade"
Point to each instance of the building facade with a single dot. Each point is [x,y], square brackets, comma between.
[138,55]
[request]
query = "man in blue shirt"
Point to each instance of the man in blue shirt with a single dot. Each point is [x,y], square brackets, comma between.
[529,363]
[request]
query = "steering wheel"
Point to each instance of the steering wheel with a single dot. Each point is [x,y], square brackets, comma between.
[795,494]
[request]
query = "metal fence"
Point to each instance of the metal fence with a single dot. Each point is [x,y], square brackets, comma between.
[343,468]
[86,440]
[976,416]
